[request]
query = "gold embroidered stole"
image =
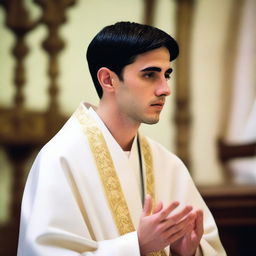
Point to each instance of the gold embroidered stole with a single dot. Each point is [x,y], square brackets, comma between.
[109,177]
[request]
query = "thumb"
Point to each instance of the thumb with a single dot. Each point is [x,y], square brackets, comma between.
[147,206]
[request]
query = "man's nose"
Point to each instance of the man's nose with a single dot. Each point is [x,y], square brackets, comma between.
[163,88]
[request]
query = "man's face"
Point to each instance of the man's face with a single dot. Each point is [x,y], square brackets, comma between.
[141,94]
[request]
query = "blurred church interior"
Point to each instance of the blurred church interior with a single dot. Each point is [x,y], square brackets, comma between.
[209,121]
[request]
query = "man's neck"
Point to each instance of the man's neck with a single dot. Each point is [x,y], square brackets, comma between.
[121,129]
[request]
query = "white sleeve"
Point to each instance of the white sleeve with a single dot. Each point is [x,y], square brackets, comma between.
[60,244]
[125,245]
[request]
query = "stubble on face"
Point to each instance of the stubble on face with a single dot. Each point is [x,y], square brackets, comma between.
[154,119]
[139,113]
[137,99]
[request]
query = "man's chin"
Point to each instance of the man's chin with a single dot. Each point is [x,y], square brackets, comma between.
[151,120]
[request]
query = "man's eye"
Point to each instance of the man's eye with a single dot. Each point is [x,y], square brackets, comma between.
[149,75]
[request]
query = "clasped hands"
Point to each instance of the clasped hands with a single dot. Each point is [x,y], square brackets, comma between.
[160,227]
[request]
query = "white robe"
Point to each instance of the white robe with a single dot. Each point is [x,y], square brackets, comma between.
[64,207]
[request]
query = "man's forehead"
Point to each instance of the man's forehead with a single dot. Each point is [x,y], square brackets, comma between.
[161,50]
[159,55]
[157,59]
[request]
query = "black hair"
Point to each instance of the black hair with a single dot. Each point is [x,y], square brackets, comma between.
[117,45]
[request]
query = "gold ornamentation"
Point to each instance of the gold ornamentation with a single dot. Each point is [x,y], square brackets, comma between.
[108,175]
[148,163]
[109,178]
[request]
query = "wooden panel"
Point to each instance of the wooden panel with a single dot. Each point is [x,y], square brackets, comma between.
[234,209]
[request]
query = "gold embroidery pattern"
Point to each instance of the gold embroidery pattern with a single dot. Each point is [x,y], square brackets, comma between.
[160,253]
[108,175]
[148,161]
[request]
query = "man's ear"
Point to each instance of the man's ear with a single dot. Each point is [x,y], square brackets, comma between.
[105,78]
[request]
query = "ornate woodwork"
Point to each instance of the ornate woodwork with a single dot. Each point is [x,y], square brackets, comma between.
[17,20]
[53,16]
[21,130]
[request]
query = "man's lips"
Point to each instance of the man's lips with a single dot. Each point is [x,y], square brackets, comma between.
[159,103]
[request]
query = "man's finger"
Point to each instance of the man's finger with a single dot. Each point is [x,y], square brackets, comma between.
[172,228]
[147,206]
[164,213]
[175,218]
[180,232]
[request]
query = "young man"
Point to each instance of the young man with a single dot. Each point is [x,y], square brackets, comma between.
[100,188]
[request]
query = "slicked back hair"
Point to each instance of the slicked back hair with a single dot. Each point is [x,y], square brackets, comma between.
[118,45]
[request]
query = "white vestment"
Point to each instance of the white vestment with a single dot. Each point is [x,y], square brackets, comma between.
[65,210]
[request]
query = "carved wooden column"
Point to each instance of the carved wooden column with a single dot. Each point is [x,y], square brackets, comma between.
[182,113]
[12,121]
[21,130]
[53,17]
[17,20]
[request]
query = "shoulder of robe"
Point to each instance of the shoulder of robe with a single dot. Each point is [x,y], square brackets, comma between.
[66,141]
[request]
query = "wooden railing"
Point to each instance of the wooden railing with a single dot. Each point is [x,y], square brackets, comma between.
[21,130]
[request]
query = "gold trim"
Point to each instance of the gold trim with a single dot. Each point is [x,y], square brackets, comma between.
[148,163]
[109,177]
[160,253]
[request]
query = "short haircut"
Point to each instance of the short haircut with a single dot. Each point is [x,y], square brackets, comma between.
[118,45]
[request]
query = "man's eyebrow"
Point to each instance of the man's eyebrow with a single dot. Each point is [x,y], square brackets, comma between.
[151,69]
[169,71]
